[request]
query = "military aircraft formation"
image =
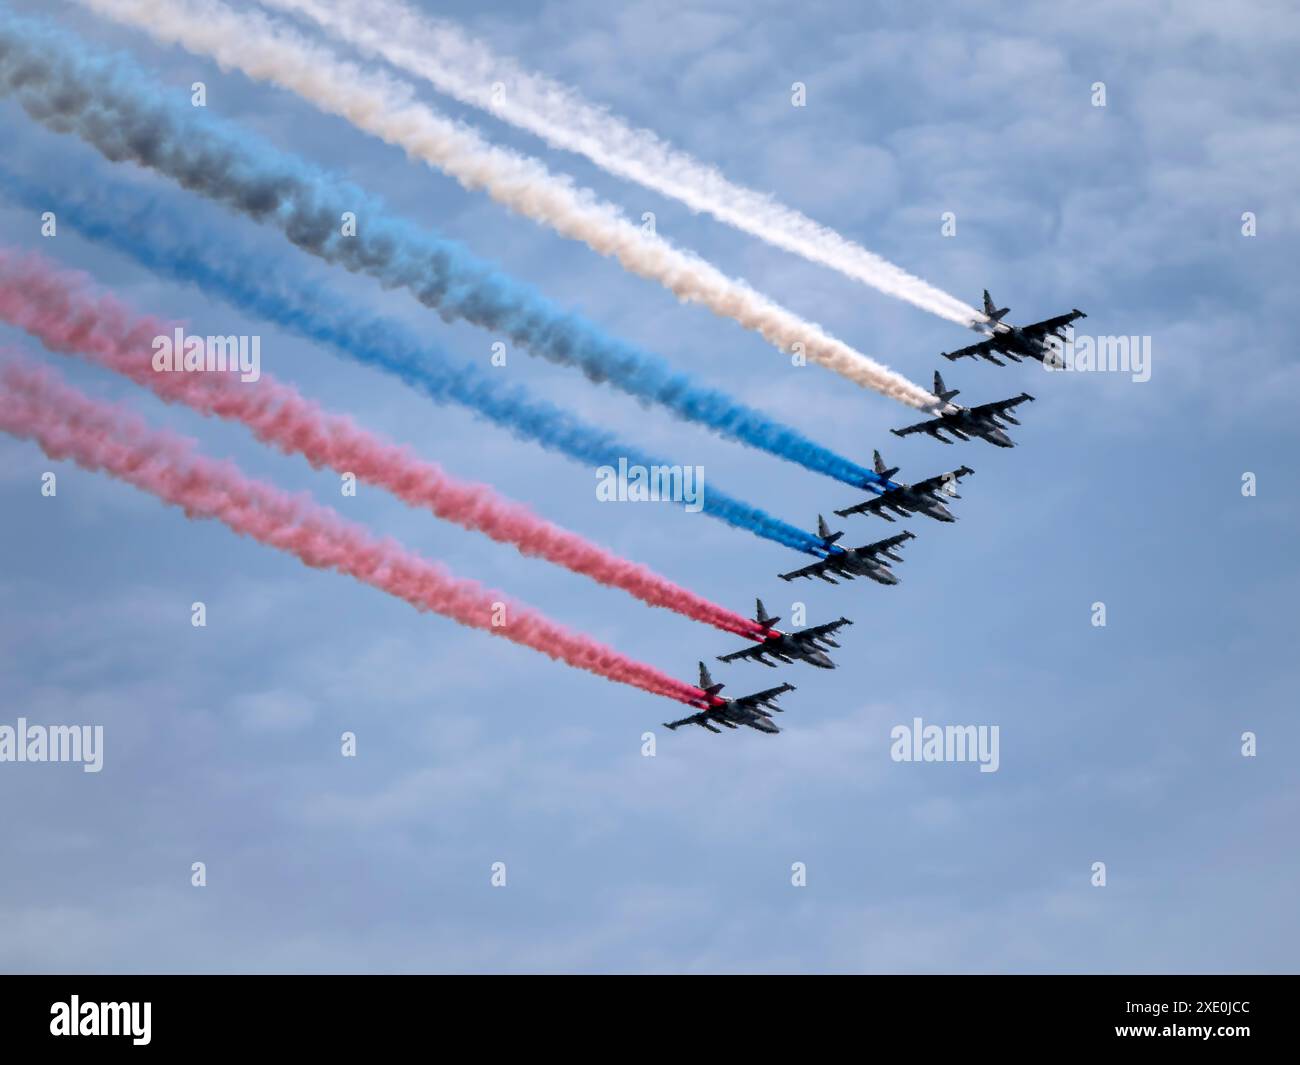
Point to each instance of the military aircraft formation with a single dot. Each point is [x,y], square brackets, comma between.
[890,500]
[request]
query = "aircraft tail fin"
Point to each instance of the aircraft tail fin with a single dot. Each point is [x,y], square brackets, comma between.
[762,617]
[994,314]
[943,392]
[824,532]
[706,682]
[881,469]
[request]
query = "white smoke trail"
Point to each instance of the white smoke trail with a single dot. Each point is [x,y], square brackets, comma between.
[464,68]
[377,104]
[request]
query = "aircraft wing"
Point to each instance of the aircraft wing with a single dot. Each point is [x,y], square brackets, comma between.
[830,564]
[1051,325]
[751,701]
[984,349]
[885,545]
[874,505]
[824,630]
[938,481]
[920,427]
[701,719]
[1001,405]
[748,652]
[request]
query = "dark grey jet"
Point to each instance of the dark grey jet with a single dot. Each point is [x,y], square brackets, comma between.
[925,497]
[985,421]
[807,644]
[750,710]
[1016,342]
[866,561]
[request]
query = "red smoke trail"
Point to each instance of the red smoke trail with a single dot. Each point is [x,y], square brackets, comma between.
[35,404]
[61,310]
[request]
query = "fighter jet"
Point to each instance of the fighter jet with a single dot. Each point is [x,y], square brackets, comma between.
[808,644]
[750,710]
[853,562]
[1016,342]
[924,497]
[984,421]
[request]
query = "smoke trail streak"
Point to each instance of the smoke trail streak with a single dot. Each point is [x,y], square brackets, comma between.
[35,405]
[107,102]
[268,51]
[60,309]
[465,69]
[168,243]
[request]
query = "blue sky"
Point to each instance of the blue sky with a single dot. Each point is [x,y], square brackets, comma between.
[1118,744]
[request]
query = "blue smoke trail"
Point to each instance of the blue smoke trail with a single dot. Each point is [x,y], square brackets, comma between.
[165,242]
[108,102]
